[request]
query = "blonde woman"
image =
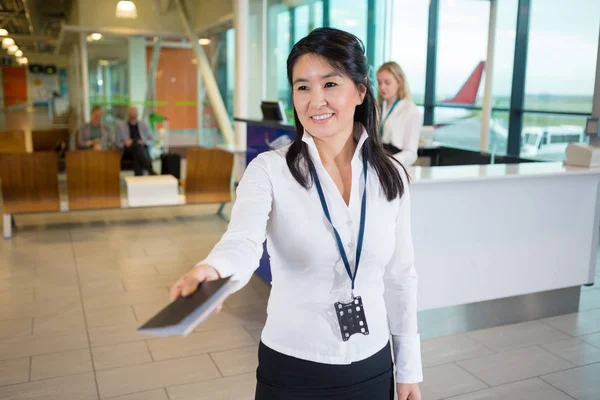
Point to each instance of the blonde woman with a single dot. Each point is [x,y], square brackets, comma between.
[401,122]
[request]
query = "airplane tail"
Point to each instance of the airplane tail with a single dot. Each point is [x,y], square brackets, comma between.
[468,92]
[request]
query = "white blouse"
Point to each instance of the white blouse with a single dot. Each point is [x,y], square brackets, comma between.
[307,269]
[402,129]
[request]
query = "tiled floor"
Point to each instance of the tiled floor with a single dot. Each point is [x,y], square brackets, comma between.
[73,288]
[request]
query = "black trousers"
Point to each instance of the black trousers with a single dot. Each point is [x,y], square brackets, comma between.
[141,160]
[281,377]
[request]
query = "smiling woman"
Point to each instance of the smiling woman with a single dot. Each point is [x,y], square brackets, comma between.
[328,331]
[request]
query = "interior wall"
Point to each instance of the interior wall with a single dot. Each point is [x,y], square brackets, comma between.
[176,83]
[14,85]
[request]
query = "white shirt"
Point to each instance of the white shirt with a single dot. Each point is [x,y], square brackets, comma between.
[307,269]
[402,128]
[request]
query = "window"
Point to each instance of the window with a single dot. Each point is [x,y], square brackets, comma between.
[461,54]
[410,20]
[351,16]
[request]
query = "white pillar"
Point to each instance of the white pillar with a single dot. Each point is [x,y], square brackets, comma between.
[241,16]
[137,72]
[486,111]
[241,12]
[85,81]
[107,78]
[595,141]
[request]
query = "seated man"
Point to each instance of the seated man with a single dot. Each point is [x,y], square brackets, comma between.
[133,138]
[94,134]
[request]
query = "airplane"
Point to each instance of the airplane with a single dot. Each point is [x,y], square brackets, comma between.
[466,96]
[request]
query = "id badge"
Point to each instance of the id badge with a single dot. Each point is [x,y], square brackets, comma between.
[351,318]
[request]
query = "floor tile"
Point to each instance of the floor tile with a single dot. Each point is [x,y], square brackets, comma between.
[158,394]
[448,349]
[80,387]
[593,339]
[110,316]
[66,322]
[578,324]
[200,343]
[240,387]
[531,389]
[61,364]
[14,296]
[38,344]
[126,298]
[236,362]
[126,380]
[589,300]
[15,327]
[448,380]
[14,371]
[575,351]
[515,336]
[121,355]
[580,383]
[115,334]
[256,334]
[515,365]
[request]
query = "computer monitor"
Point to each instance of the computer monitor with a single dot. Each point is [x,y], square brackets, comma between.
[273,111]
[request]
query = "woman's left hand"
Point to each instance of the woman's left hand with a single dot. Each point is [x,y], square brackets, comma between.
[408,391]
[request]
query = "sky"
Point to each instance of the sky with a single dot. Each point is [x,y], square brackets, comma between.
[562,49]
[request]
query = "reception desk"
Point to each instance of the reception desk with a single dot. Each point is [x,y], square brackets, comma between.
[261,132]
[499,244]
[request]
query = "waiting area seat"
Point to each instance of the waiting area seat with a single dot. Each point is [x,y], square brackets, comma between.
[48,139]
[93,179]
[13,141]
[208,175]
[30,182]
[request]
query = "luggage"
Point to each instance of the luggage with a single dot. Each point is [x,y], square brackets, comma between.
[170,164]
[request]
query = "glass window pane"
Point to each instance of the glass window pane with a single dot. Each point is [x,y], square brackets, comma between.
[317,9]
[462,50]
[545,137]
[562,51]
[351,16]
[301,22]
[409,20]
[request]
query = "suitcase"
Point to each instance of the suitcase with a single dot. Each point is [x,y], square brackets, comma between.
[170,164]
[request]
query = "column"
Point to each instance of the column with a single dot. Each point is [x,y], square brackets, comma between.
[137,72]
[486,111]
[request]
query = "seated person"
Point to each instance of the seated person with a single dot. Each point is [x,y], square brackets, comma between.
[94,134]
[133,138]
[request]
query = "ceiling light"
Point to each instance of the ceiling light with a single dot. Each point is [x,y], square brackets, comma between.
[3,32]
[7,42]
[204,41]
[104,63]
[23,60]
[96,36]
[19,53]
[126,9]
[13,49]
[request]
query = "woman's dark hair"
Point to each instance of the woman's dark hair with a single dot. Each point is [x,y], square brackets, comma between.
[346,54]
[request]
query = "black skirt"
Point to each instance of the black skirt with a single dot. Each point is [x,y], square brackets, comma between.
[281,377]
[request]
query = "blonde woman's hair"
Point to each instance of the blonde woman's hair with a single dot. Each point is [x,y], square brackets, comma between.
[395,69]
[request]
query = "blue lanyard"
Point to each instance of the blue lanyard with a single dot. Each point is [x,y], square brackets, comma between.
[386,117]
[361,232]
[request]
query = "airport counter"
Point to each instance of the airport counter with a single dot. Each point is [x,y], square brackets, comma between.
[499,244]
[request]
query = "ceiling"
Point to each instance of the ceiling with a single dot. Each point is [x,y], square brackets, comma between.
[34,24]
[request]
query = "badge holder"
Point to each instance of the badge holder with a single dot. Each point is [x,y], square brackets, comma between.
[351,317]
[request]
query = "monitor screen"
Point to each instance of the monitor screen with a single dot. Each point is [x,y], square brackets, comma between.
[273,111]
